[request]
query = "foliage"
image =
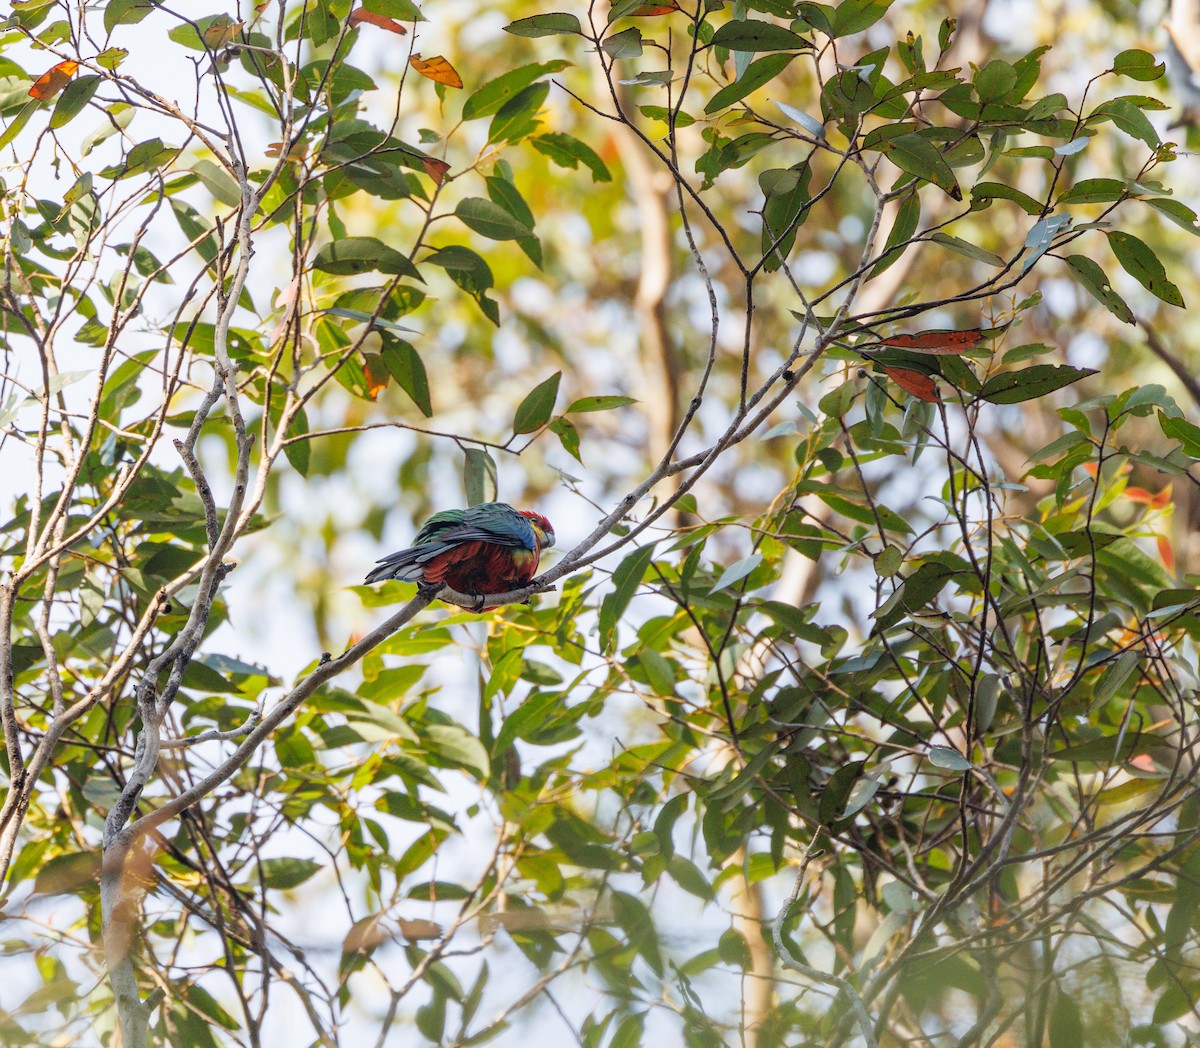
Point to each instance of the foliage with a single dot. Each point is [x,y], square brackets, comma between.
[837,725]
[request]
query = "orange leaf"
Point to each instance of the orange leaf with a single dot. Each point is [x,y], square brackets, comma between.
[647,10]
[937,342]
[358,16]
[436,69]
[376,373]
[435,169]
[53,80]
[1141,495]
[914,382]
[1166,553]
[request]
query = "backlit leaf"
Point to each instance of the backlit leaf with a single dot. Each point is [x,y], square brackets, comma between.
[436,69]
[53,80]
[359,16]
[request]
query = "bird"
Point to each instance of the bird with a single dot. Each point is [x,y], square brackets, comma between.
[489,548]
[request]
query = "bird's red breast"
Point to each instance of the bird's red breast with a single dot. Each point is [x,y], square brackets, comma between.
[482,567]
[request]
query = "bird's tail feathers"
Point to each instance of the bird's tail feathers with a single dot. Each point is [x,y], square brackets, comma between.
[408,565]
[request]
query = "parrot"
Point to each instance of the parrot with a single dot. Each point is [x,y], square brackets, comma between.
[489,548]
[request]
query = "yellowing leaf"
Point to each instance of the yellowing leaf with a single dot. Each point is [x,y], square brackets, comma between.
[436,69]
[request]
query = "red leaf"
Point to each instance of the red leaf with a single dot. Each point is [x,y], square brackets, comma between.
[358,16]
[435,169]
[936,342]
[1166,553]
[914,382]
[1141,495]
[53,80]
[436,69]
[647,10]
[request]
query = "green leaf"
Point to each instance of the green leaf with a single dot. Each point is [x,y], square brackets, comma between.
[67,873]
[751,34]
[490,220]
[457,746]
[545,25]
[918,156]
[986,192]
[517,118]
[625,44]
[126,12]
[537,407]
[568,436]
[363,255]
[1096,283]
[1177,212]
[404,364]
[1013,387]
[1094,191]
[761,71]
[995,81]
[578,407]
[111,57]
[945,757]
[738,571]
[687,875]
[1187,433]
[853,16]
[479,476]
[1138,65]
[1129,119]
[1141,263]
[219,182]
[491,96]
[569,152]
[19,121]
[626,579]
[907,219]
[963,247]
[286,873]
[74,97]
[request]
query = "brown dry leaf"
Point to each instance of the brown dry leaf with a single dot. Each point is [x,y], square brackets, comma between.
[914,382]
[53,80]
[223,31]
[358,16]
[435,169]
[436,69]
[365,935]
[935,342]
[416,930]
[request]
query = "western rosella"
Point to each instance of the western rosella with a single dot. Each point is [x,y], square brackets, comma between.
[490,548]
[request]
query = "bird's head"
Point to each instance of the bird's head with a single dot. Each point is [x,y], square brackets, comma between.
[542,528]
